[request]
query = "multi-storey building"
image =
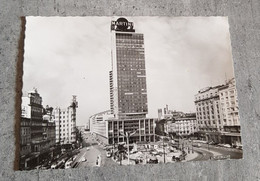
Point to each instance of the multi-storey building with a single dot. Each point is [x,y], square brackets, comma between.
[144,129]
[99,125]
[229,113]
[49,129]
[37,131]
[182,124]
[208,114]
[128,92]
[165,113]
[65,121]
[32,109]
[217,113]
[25,140]
[109,129]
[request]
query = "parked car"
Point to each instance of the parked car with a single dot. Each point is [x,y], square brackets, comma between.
[109,154]
[68,164]
[83,159]
[227,145]
[240,147]
[153,160]
[197,145]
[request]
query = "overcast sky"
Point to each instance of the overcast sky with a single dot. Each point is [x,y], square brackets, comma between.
[67,56]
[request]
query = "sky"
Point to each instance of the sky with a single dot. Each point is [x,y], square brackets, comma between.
[67,56]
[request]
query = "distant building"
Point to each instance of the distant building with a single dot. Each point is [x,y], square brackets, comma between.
[182,124]
[65,121]
[165,113]
[99,124]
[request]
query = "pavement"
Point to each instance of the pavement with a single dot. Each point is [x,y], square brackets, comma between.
[191,156]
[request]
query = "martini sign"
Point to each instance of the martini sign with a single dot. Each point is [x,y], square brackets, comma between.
[121,24]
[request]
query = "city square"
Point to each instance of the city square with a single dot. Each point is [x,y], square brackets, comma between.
[204,124]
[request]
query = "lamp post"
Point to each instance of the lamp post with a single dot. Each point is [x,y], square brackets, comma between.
[163,137]
[207,139]
[163,152]
[128,135]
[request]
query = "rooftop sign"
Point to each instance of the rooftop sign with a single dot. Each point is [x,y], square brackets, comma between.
[121,24]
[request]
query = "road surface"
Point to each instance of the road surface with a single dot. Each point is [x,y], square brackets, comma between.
[94,154]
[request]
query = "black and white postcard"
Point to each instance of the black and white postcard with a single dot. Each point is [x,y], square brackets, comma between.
[104,91]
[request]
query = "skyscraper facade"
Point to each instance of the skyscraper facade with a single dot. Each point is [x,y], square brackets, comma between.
[128,93]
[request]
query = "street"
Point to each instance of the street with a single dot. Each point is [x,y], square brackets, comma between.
[93,153]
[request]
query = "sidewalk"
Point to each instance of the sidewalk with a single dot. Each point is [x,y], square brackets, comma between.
[191,156]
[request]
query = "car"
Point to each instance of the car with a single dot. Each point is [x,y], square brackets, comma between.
[197,145]
[109,154]
[87,149]
[68,164]
[227,145]
[83,159]
[153,160]
[240,147]
[53,166]
[211,143]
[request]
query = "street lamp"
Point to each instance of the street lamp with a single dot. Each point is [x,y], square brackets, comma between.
[128,135]
[163,147]
[207,139]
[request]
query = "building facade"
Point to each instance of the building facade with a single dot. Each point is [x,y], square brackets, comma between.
[99,125]
[128,92]
[208,113]
[33,110]
[109,129]
[182,124]
[37,131]
[217,113]
[229,113]
[25,137]
[65,121]
[143,129]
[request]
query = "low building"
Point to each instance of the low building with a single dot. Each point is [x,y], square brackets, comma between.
[143,129]
[110,130]
[182,124]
